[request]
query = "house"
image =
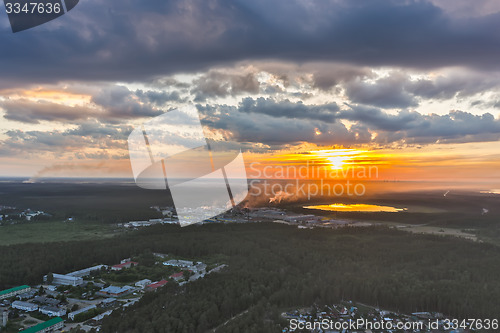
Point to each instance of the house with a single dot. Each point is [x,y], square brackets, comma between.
[52,311]
[26,295]
[199,267]
[24,306]
[46,327]
[178,263]
[102,315]
[108,302]
[156,285]
[46,301]
[177,276]
[123,265]
[143,283]
[8,293]
[87,271]
[72,315]
[113,291]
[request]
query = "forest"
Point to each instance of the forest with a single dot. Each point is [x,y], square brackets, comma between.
[274,267]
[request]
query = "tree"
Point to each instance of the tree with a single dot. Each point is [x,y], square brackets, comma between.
[50,278]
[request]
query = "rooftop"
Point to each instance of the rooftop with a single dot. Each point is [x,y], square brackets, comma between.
[157,284]
[21,303]
[177,275]
[41,326]
[125,264]
[116,290]
[7,291]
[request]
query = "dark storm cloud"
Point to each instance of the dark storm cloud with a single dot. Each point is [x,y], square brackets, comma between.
[413,127]
[386,92]
[282,124]
[398,90]
[215,84]
[33,112]
[91,134]
[131,40]
[287,109]
[98,130]
[461,84]
[159,98]
[113,103]
[272,129]
[330,75]
[121,103]
[376,119]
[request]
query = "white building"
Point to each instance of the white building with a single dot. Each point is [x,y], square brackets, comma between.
[143,283]
[65,280]
[87,271]
[52,311]
[102,315]
[25,306]
[178,263]
[72,315]
[52,325]
[8,293]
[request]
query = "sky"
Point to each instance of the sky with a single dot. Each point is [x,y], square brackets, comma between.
[410,86]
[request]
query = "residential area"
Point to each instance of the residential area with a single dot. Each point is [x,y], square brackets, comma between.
[352,317]
[83,298]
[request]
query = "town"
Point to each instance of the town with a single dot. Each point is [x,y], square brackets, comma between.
[248,215]
[351,317]
[81,299]
[13,215]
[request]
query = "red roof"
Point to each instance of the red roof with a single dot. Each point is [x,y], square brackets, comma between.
[157,284]
[128,263]
[177,275]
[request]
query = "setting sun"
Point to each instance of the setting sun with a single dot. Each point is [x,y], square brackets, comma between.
[337,158]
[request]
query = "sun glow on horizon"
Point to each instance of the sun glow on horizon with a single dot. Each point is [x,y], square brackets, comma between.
[338,158]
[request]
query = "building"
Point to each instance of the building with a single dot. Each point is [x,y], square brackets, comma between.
[156,285]
[26,295]
[102,315]
[65,280]
[25,306]
[178,263]
[177,276]
[108,302]
[8,293]
[123,265]
[52,311]
[199,267]
[72,315]
[137,224]
[113,291]
[143,283]
[87,271]
[46,327]
[46,301]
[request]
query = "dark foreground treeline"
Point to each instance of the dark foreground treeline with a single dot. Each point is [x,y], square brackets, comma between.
[273,267]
